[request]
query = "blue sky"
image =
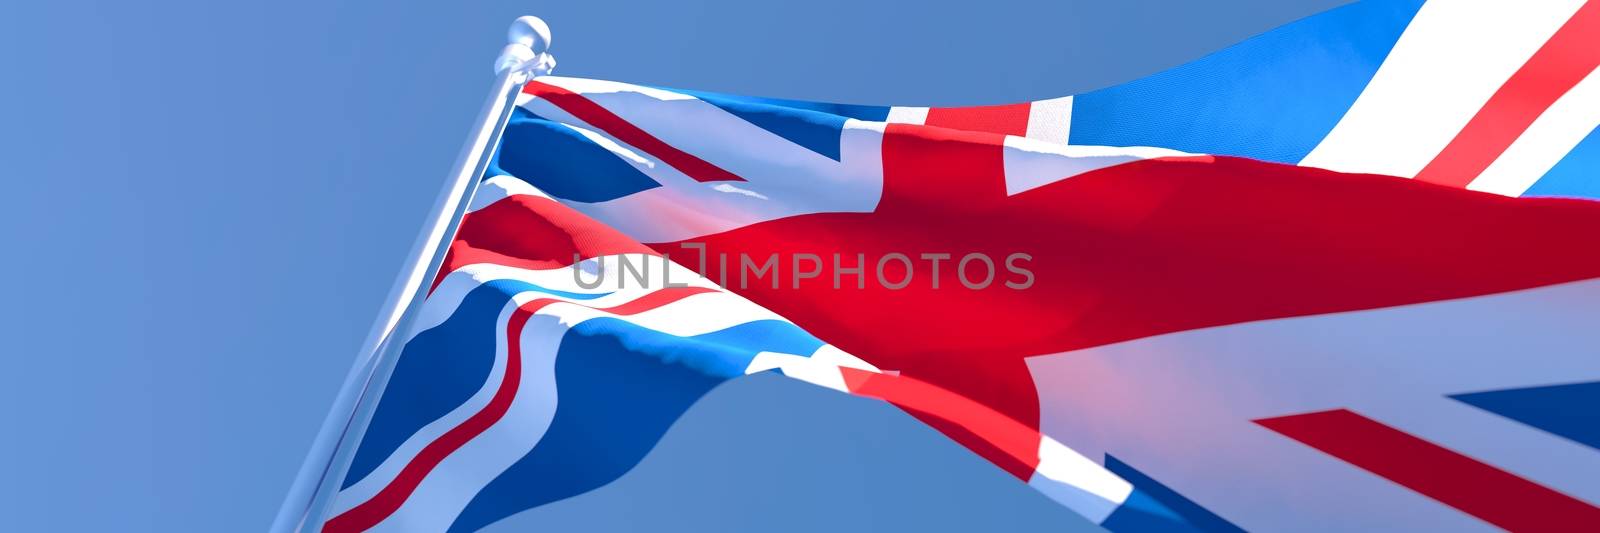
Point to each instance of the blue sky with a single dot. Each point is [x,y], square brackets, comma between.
[205,203]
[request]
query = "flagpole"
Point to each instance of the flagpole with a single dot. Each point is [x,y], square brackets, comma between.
[524,57]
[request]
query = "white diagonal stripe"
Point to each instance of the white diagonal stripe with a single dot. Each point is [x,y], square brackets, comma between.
[1445,66]
[1565,124]
[1050,120]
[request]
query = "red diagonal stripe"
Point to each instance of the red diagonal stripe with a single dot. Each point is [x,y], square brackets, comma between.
[655,299]
[595,115]
[533,233]
[1572,53]
[388,500]
[1016,444]
[1493,495]
[1010,119]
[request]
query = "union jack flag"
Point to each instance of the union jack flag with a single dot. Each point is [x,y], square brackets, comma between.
[1344,275]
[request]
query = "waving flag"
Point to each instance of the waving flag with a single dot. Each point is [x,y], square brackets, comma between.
[1288,286]
[528,382]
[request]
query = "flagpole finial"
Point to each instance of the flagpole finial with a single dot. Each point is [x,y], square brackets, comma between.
[528,50]
[530,31]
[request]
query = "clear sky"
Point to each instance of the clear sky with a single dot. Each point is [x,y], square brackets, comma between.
[205,203]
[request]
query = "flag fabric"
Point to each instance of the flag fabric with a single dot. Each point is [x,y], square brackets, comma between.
[1343,275]
[550,360]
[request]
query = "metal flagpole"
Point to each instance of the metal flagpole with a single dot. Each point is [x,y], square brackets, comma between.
[525,57]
